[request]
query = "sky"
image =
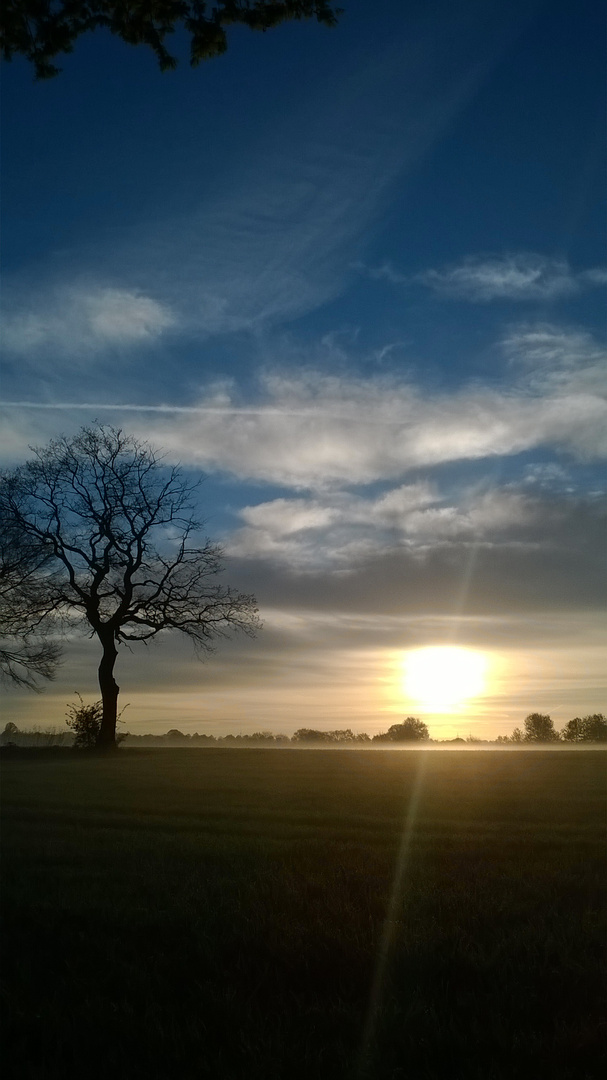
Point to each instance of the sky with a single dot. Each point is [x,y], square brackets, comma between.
[355,278]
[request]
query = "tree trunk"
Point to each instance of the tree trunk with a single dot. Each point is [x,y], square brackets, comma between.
[106,740]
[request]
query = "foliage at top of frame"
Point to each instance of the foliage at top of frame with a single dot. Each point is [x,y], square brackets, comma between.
[41,30]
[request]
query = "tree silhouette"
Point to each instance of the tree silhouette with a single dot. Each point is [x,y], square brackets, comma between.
[311,735]
[410,730]
[539,728]
[85,722]
[592,728]
[573,730]
[120,529]
[40,30]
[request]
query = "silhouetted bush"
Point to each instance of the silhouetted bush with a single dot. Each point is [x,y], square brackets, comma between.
[85,722]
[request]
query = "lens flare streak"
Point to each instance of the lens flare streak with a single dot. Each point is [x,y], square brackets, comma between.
[395,903]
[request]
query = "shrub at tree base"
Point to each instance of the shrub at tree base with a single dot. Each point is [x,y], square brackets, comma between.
[85,722]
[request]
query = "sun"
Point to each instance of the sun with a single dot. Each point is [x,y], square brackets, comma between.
[444,676]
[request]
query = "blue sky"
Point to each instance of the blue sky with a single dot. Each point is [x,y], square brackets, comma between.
[357,278]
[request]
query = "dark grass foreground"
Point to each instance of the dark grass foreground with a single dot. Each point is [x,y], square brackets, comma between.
[249,914]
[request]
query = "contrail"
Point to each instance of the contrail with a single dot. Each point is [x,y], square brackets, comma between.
[312,413]
[113,407]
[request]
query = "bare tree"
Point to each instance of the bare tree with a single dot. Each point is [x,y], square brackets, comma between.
[120,528]
[28,653]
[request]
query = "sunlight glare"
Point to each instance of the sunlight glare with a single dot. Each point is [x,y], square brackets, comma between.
[444,676]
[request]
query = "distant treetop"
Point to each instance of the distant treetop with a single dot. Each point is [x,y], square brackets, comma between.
[410,730]
[40,30]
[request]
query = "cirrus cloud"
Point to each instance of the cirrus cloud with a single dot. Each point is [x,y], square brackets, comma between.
[80,320]
[519,276]
[511,277]
[314,430]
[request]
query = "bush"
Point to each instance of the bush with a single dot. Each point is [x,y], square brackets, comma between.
[85,721]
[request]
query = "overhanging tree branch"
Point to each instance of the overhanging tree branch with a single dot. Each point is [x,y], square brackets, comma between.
[41,30]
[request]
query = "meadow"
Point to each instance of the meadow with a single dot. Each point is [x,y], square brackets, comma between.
[278,914]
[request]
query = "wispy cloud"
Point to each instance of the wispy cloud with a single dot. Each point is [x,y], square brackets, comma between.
[280,238]
[521,276]
[77,321]
[313,430]
[276,235]
[555,359]
[385,271]
[597,276]
[511,277]
[338,529]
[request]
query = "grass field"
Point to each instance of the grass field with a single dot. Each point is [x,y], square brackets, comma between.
[277,914]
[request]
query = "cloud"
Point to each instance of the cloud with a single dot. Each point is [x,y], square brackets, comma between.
[84,320]
[511,277]
[521,276]
[547,475]
[556,358]
[339,528]
[597,276]
[313,430]
[549,558]
[384,272]
[333,528]
[280,236]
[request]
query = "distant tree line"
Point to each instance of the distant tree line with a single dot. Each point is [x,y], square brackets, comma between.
[539,728]
[84,721]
